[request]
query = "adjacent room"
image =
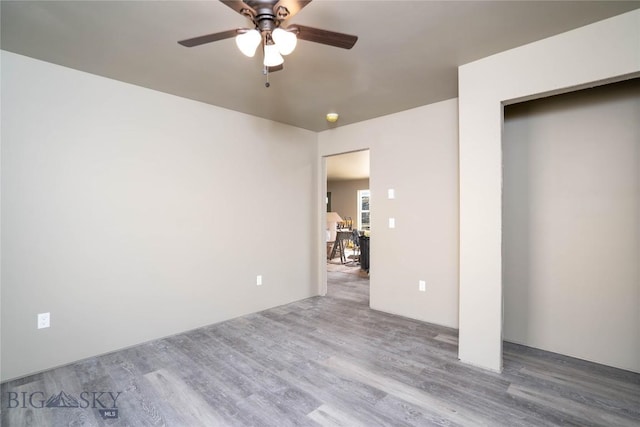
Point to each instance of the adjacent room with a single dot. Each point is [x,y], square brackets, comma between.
[348,213]
[354,213]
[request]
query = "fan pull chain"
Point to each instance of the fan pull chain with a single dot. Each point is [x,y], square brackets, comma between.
[265,71]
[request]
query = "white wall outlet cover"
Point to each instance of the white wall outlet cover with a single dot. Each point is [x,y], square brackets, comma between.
[259,280]
[422,285]
[391,193]
[44,320]
[392,223]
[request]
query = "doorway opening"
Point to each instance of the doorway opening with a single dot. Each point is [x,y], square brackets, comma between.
[571,192]
[348,212]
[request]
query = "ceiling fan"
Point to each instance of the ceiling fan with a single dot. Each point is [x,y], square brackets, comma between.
[267,17]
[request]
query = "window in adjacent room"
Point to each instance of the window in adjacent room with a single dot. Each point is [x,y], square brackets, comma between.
[364,222]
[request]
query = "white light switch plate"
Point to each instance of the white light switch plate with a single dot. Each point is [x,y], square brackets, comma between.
[392,223]
[391,193]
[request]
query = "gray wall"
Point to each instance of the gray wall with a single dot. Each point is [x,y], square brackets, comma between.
[415,152]
[131,214]
[344,197]
[572,224]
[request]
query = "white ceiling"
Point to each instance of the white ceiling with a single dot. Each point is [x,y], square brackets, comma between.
[347,166]
[406,56]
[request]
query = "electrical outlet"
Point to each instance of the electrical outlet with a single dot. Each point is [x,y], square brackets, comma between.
[44,320]
[422,286]
[392,223]
[259,280]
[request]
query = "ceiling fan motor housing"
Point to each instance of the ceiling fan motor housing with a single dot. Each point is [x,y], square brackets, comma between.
[265,18]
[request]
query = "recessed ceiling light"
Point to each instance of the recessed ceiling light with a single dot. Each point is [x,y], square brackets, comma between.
[332,117]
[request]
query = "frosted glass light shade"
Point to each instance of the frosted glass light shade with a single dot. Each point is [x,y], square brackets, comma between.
[332,117]
[285,40]
[272,56]
[248,42]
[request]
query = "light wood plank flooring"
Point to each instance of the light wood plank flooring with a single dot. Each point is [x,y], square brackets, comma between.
[328,361]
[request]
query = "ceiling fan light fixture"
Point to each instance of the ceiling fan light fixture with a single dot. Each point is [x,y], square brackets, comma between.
[248,42]
[272,55]
[285,40]
[270,31]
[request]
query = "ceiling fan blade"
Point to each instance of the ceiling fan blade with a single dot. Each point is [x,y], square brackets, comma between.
[285,9]
[239,6]
[208,38]
[331,38]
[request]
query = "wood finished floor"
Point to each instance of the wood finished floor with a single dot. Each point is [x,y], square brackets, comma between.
[329,361]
